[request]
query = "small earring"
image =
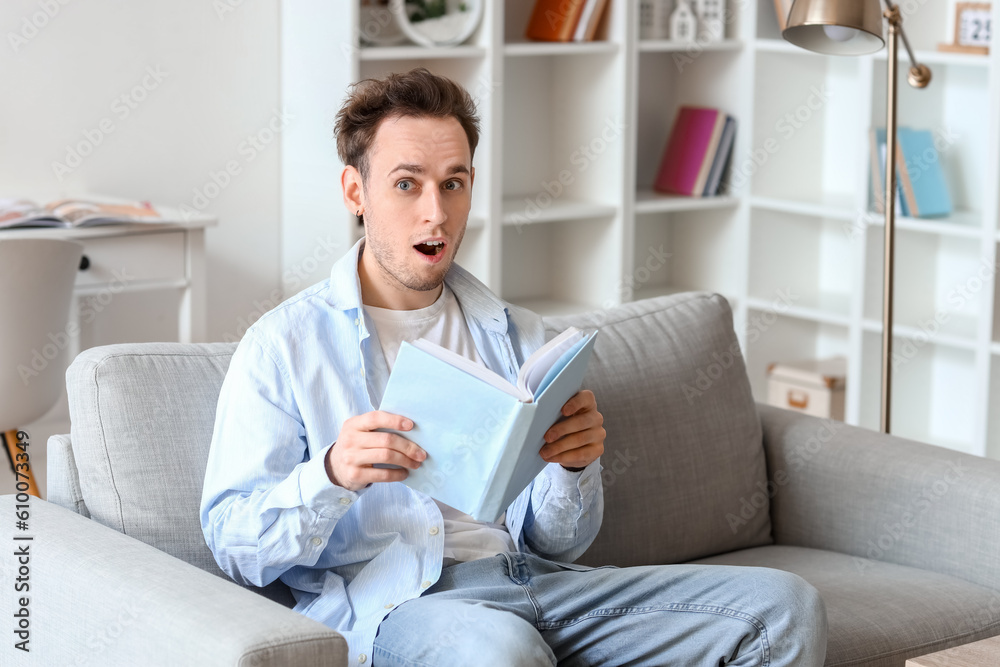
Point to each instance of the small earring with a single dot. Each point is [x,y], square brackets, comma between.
[358,214]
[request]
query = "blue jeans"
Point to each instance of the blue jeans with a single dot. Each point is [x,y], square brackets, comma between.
[519,610]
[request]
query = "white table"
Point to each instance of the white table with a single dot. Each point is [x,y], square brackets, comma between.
[136,258]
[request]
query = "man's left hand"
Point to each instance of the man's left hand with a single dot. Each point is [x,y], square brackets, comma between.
[578,440]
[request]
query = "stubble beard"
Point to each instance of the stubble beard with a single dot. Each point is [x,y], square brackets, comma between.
[399,272]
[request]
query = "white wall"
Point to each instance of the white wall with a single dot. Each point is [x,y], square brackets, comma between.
[219,84]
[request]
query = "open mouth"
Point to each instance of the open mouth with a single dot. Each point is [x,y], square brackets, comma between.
[430,249]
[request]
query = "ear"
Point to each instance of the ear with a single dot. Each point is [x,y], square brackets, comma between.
[353,190]
[472,177]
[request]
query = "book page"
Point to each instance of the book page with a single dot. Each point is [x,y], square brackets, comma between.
[538,364]
[470,367]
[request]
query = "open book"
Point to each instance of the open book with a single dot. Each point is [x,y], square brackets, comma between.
[482,433]
[74,213]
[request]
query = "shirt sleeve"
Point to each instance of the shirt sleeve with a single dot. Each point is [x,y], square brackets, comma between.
[565,512]
[266,505]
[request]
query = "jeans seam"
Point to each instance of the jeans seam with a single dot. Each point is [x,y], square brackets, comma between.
[697,608]
[524,587]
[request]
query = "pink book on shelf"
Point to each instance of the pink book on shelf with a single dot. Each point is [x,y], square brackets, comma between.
[690,150]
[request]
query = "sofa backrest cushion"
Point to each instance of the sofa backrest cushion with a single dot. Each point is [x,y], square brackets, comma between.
[683,465]
[142,417]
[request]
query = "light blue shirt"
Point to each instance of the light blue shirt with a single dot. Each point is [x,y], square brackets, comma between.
[270,511]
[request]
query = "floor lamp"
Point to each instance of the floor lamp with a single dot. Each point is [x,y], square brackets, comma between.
[854,28]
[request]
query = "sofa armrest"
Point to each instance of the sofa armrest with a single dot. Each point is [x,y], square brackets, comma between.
[881,497]
[98,597]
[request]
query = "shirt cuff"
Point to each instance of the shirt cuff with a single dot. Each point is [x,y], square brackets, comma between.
[319,493]
[564,480]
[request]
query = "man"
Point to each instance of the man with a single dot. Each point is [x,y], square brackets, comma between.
[292,491]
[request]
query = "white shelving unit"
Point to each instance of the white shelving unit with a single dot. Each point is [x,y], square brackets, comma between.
[564,216]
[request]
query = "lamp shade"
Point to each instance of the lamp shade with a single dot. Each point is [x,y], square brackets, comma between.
[835,27]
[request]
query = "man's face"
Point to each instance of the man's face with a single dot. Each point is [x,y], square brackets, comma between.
[416,205]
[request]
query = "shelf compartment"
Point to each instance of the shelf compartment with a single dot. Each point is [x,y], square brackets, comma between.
[702,249]
[826,309]
[575,262]
[777,45]
[651,201]
[529,209]
[933,392]
[962,223]
[515,49]
[412,52]
[807,259]
[933,291]
[773,337]
[955,109]
[829,205]
[667,290]
[958,332]
[809,129]
[553,152]
[672,46]
[707,80]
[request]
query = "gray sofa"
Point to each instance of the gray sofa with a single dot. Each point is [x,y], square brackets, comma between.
[901,539]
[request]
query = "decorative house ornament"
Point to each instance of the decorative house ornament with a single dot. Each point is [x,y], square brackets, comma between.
[711,20]
[683,24]
[654,19]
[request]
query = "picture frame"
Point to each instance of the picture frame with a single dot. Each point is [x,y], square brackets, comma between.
[438,22]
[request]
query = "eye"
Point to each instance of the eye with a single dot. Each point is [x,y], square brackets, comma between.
[408,186]
[453,185]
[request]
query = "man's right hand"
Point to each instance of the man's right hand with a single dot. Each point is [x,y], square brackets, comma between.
[349,463]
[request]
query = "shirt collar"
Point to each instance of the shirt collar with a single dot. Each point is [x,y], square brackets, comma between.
[476,299]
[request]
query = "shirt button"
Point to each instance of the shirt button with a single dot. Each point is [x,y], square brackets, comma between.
[426,584]
[345,501]
[362,372]
[317,541]
[433,530]
[389,606]
[357,321]
[362,657]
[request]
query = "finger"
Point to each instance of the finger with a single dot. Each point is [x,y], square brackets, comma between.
[578,422]
[579,457]
[370,475]
[381,419]
[594,435]
[397,445]
[581,400]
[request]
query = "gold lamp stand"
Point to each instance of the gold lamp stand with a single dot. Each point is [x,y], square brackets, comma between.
[840,27]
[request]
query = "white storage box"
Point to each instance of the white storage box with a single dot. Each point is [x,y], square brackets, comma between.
[814,387]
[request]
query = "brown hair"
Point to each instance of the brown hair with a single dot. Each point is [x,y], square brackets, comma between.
[413,93]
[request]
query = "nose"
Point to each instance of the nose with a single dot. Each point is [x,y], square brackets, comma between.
[433,207]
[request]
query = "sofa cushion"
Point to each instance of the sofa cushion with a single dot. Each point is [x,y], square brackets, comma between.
[880,613]
[142,419]
[683,458]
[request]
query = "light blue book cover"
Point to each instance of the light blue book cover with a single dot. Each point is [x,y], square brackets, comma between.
[923,163]
[481,439]
[901,207]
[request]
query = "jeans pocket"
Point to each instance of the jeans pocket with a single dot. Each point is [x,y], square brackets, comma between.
[576,567]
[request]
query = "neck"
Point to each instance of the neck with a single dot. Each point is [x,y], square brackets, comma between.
[383,291]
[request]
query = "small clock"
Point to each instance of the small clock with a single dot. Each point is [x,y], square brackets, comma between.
[973,28]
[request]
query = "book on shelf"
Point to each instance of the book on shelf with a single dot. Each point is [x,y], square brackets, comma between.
[565,20]
[69,213]
[922,191]
[697,152]
[482,434]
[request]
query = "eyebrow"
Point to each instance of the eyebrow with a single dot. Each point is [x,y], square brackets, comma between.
[418,169]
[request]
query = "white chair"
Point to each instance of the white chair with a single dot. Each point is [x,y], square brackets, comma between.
[36,287]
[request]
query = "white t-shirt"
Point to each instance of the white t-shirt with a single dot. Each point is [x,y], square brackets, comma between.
[443,323]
